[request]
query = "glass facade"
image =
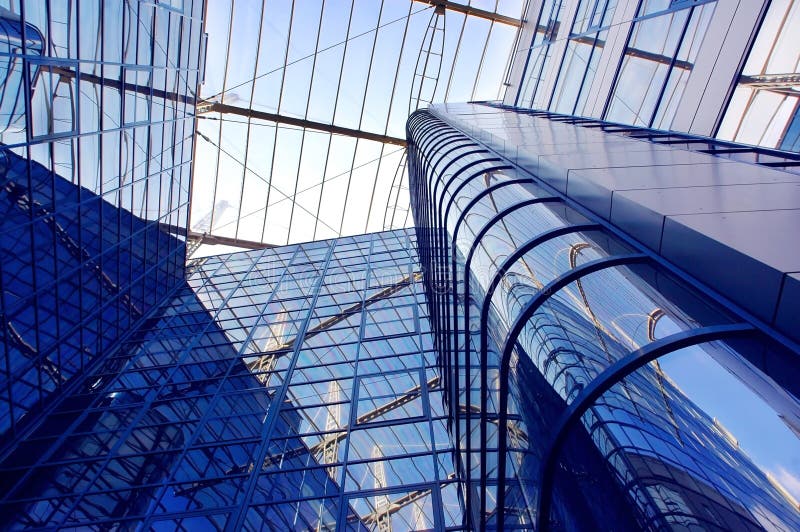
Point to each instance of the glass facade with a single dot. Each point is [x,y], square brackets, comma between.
[656,64]
[589,385]
[763,106]
[697,66]
[662,46]
[532,91]
[96,140]
[293,387]
[514,362]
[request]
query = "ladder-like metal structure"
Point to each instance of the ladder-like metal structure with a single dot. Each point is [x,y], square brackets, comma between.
[399,186]
[429,62]
[330,447]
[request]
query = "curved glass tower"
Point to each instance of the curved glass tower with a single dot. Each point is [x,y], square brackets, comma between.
[591,382]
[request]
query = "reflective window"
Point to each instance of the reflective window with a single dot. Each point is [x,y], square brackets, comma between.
[584,48]
[763,108]
[95,148]
[656,65]
[540,54]
[677,446]
[277,382]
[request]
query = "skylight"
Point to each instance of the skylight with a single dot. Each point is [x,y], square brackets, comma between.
[301,132]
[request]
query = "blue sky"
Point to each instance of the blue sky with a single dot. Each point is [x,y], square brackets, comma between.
[299,174]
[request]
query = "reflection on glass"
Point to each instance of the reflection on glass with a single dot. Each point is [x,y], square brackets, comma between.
[677,443]
[12,87]
[672,453]
[763,109]
[582,56]
[240,394]
[656,65]
[539,57]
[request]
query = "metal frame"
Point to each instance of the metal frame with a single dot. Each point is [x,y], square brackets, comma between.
[272,415]
[454,288]
[473,11]
[612,375]
[502,269]
[548,40]
[442,246]
[89,292]
[466,298]
[205,238]
[395,202]
[250,293]
[521,321]
[216,107]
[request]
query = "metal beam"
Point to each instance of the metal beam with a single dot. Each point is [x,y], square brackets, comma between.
[782,83]
[144,90]
[772,80]
[636,52]
[473,12]
[206,238]
[215,107]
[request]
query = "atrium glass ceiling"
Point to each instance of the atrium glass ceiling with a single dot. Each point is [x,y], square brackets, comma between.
[765,107]
[301,132]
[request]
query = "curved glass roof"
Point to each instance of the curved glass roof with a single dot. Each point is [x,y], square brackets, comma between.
[301,130]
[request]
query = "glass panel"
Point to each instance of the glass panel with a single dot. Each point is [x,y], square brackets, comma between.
[396,510]
[647,62]
[761,113]
[583,328]
[313,514]
[679,453]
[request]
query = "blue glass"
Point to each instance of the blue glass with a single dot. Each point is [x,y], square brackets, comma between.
[791,138]
[12,88]
[275,386]
[93,206]
[585,395]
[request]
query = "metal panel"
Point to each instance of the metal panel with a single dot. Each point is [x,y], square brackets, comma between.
[727,248]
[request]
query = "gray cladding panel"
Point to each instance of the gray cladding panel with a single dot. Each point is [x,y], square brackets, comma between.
[641,212]
[743,255]
[732,225]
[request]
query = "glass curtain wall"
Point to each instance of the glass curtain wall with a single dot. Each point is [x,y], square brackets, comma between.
[288,388]
[540,54]
[593,387]
[655,67]
[764,108]
[650,76]
[587,40]
[96,127]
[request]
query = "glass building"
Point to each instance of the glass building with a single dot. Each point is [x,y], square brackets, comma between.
[293,387]
[585,328]
[96,130]
[590,382]
[713,68]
